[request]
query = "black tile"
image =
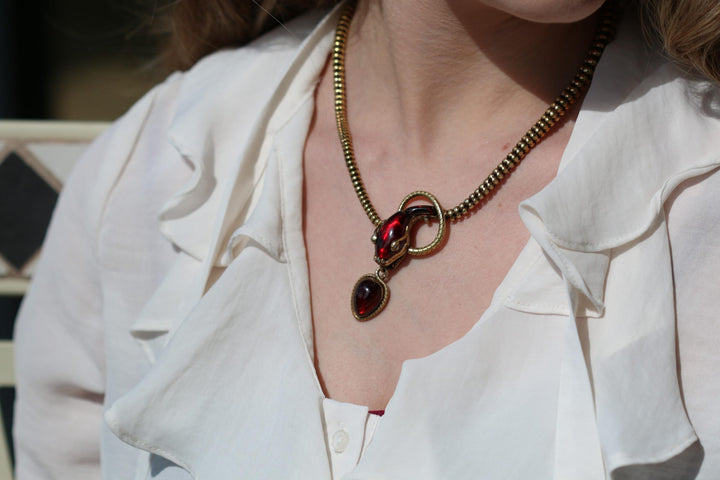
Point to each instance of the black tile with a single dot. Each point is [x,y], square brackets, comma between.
[26,205]
[9,306]
[7,402]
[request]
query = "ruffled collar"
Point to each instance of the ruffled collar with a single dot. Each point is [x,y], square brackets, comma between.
[223,129]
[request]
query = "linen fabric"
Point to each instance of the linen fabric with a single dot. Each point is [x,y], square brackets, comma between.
[168,332]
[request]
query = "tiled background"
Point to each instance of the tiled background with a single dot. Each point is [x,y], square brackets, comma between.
[32,171]
[27,199]
[59,60]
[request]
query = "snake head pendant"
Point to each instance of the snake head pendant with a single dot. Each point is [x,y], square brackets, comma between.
[392,236]
[392,244]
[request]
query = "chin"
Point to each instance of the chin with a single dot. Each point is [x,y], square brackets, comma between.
[547,11]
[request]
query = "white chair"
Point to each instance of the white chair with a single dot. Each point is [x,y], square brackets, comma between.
[35,159]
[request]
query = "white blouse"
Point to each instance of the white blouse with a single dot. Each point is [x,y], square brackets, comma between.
[172,298]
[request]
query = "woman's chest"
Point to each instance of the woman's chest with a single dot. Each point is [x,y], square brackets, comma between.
[432,300]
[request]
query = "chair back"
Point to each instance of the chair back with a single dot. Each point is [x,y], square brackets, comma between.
[35,160]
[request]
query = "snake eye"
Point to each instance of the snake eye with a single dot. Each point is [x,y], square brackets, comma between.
[395,246]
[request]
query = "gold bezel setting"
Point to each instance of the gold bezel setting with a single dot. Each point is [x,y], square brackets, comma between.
[375,277]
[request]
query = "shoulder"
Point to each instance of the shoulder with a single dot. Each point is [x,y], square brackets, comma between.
[184,111]
[224,80]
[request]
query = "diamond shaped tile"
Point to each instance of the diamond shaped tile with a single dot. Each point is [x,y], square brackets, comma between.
[26,205]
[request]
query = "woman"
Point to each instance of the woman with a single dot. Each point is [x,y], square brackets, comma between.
[220,343]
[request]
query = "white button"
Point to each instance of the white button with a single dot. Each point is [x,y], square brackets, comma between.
[340,441]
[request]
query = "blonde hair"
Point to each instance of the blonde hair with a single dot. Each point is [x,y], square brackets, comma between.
[688,30]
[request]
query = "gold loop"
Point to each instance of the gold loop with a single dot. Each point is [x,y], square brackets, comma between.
[418,252]
[381,273]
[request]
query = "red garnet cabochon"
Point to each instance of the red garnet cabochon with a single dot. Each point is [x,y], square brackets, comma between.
[369,296]
[391,229]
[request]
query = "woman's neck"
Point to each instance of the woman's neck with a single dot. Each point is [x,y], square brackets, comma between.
[433,73]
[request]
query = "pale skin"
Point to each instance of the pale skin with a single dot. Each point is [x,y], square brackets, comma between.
[438,91]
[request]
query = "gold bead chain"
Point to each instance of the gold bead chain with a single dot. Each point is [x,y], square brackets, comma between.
[534,135]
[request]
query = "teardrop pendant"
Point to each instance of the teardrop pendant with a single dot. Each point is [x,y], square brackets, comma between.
[370,295]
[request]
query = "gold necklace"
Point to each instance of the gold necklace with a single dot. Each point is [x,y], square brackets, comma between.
[391,236]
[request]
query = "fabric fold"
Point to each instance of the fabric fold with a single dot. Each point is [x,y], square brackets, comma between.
[219,142]
[578,452]
[168,305]
[634,364]
[190,408]
[264,225]
[640,174]
[628,351]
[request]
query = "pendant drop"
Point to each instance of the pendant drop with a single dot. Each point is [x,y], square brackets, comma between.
[392,244]
[370,295]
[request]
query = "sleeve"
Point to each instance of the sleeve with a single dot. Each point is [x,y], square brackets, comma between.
[59,330]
